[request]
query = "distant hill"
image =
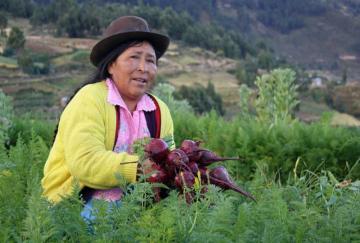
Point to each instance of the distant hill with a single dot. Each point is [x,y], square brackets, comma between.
[315,35]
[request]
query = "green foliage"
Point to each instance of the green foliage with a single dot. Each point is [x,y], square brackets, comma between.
[244,93]
[20,173]
[285,15]
[3,22]
[78,20]
[309,206]
[165,92]
[6,117]
[201,99]
[19,8]
[26,125]
[16,39]
[318,145]
[174,23]
[277,96]
[70,18]
[246,71]
[265,60]
[33,64]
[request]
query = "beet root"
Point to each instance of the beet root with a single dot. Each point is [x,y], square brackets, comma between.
[177,159]
[220,177]
[159,175]
[191,148]
[157,150]
[184,179]
[194,168]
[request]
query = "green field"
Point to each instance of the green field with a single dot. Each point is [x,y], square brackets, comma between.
[305,179]
[6,62]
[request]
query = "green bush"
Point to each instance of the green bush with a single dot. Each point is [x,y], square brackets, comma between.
[26,125]
[318,145]
[201,99]
[309,207]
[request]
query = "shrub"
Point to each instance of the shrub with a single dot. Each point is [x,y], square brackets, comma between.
[201,99]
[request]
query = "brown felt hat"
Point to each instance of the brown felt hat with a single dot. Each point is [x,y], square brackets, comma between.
[124,29]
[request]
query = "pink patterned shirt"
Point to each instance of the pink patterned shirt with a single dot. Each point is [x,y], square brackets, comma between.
[132,127]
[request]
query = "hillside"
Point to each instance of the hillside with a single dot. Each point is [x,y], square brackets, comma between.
[181,65]
[325,48]
[329,44]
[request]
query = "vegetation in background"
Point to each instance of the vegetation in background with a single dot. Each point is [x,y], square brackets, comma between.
[202,99]
[16,39]
[277,96]
[3,22]
[6,116]
[166,93]
[33,64]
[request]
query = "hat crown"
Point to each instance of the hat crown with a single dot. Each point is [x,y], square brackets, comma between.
[126,24]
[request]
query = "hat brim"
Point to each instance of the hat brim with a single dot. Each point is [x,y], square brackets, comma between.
[106,45]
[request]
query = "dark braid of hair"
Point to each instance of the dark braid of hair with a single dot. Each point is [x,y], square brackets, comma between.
[101,72]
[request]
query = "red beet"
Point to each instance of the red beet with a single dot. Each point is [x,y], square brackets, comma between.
[157,150]
[158,176]
[193,167]
[220,177]
[207,157]
[184,179]
[177,159]
[191,148]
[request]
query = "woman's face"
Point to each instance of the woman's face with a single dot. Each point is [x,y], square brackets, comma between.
[134,71]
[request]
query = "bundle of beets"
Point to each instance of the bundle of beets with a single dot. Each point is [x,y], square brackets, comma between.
[179,169]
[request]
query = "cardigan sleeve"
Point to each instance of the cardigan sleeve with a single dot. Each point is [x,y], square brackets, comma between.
[167,125]
[82,130]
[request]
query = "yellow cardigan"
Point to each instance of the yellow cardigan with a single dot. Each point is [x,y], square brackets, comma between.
[82,150]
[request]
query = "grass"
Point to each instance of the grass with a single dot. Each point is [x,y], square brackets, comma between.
[341,119]
[77,56]
[6,62]
[225,84]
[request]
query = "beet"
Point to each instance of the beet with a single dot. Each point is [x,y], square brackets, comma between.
[158,150]
[220,177]
[207,157]
[179,168]
[158,176]
[177,160]
[191,148]
[193,167]
[184,179]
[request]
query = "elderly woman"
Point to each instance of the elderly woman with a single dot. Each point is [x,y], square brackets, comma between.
[96,131]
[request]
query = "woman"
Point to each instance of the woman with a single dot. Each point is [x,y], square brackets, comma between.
[101,122]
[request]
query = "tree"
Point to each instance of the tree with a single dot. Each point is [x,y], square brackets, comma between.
[265,60]
[25,62]
[175,24]
[78,22]
[201,99]
[3,22]
[16,39]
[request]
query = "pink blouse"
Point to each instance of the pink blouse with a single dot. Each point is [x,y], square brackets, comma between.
[132,127]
